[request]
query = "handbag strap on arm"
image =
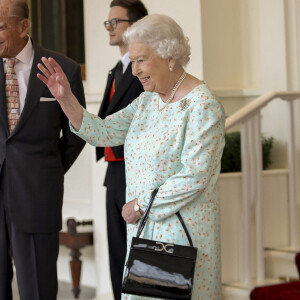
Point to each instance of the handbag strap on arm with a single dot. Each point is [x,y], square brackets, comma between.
[146,215]
[185,229]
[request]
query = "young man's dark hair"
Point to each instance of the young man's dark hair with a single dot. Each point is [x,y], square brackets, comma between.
[135,8]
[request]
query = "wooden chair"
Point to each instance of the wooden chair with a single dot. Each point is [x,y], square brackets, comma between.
[75,241]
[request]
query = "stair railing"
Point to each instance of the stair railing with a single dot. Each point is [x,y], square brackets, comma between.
[249,118]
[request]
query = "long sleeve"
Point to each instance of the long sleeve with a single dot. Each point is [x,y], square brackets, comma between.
[200,163]
[107,132]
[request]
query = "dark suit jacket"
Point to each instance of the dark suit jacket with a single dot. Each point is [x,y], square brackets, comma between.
[37,154]
[128,89]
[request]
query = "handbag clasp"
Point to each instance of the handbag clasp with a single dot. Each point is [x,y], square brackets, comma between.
[164,247]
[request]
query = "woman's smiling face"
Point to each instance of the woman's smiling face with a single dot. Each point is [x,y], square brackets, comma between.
[152,70]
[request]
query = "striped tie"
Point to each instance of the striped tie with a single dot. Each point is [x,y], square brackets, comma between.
[12,94]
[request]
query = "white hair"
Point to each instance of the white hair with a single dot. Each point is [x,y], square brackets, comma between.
[163,35]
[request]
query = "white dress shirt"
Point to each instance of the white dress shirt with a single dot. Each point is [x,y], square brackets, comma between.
[22,69]
[125,61]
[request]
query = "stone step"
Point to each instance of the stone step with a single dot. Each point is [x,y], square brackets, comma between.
[280,267]
[241,290]
[280,263]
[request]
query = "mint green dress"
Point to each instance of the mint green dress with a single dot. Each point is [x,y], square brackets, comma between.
[179,150]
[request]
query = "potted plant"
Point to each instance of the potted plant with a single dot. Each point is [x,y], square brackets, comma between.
[231,159]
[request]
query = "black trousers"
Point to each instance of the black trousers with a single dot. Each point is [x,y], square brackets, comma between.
[34,256]
[116,226]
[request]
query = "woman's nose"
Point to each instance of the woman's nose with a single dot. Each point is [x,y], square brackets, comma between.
[135,69]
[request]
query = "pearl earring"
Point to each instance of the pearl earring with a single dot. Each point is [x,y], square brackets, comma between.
[171,69]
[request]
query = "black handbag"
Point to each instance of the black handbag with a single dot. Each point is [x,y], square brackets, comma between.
[157,269]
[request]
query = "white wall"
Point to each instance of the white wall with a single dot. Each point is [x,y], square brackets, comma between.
[230,44]
[274,75]
[245,54]
[101,57]
[84,199]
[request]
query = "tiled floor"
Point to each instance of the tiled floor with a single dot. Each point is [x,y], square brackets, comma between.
[64,292]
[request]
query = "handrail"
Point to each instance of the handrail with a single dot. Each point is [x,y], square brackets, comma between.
[249,119]
[254,106]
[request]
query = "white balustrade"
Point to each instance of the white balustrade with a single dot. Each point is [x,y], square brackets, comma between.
[249,118]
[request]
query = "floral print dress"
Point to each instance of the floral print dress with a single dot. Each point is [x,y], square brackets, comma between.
[177,149]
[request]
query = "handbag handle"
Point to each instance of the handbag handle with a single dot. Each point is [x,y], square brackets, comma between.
[146,215]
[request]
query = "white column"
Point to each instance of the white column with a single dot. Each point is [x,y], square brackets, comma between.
[292,21]
[292,178]
[292,33]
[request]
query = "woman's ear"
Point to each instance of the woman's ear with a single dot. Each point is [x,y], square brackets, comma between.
[171,63]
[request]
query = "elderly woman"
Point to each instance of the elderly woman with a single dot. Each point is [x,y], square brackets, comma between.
[173,135]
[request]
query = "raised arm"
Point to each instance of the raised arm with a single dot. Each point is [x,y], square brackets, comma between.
[59,86]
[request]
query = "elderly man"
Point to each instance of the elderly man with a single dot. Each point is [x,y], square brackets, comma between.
[36,150]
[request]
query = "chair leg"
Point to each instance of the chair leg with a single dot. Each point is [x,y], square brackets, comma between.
[75,266]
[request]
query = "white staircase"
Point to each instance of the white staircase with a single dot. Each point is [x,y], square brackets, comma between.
[259,210]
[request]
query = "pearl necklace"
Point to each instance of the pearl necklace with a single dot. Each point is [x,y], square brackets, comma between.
[178,83]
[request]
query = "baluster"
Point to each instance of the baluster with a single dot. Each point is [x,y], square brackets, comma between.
[259,224]
[245,144]
[292,178]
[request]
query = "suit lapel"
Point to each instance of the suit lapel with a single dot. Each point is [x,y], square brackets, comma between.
[126,81]
[34,89]
[102,110]
[3,111]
